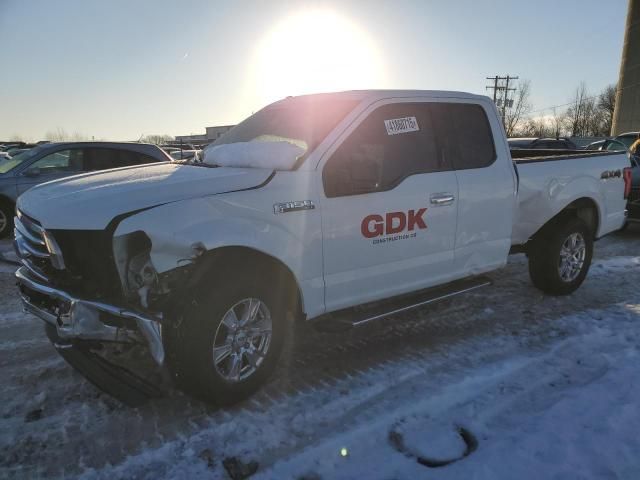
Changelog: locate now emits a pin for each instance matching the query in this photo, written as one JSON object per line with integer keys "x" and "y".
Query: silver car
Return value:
{"x": 56, "y": 160}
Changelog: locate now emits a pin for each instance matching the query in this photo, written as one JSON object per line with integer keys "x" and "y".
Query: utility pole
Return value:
{"x": 495, "y": 87}
{"x": 501, "y": 85}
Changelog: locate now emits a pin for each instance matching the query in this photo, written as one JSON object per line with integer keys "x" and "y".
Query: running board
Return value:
{"x": 360, "y": 315}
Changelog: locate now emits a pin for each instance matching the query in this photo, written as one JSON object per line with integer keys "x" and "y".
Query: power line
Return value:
{"x": 529, "y": 115}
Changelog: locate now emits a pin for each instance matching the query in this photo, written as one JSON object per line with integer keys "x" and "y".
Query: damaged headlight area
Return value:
{"x": 141, "y": 283}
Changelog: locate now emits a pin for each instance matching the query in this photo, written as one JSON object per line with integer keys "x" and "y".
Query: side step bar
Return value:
{"x": 357, "y": 316}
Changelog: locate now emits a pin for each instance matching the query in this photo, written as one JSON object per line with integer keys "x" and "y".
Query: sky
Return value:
{"x": 120, "y": 69}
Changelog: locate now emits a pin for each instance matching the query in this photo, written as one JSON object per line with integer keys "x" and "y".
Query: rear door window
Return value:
{"x": 465, "y": 134}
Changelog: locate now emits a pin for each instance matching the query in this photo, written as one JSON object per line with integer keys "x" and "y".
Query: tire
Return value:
{"x": 190, "y": 345}
{"x": 548, "y": 270}
{"x": 6, "y": 218}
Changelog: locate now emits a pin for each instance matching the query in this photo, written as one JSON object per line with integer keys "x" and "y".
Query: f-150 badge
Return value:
{"x": 393, "y": 223}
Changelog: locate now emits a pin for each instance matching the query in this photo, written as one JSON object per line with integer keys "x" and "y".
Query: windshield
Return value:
{"x": 11, "y": 163}
{"x": 302, "y": 121}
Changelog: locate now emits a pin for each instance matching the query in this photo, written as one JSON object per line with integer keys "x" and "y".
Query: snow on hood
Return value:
{"x": 90, "y": 201}
{"x": 278, "y": 155}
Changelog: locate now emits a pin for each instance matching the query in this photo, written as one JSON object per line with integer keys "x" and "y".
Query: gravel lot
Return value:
{"x": 53, "y": 423}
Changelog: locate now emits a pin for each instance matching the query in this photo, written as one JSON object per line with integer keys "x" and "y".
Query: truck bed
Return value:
{"x": 549, "y": 180}
{"x": 521, "y": 155}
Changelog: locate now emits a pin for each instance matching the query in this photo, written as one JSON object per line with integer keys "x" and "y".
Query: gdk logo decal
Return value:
{"x": 392, "y": 223}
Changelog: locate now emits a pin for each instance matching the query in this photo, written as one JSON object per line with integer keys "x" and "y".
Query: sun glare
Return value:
{"x": 315, "y": 51}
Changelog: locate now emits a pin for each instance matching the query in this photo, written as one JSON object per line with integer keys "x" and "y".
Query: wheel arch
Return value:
{"x": 236, "y": 257}
{"x": 4, "y": 199}
{"x": 584, "y": 208}
{"x": 7, "y": 201}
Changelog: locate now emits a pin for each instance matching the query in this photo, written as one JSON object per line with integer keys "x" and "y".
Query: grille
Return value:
{"x": 31, "y": 246}
{"x": 78, "y": 261}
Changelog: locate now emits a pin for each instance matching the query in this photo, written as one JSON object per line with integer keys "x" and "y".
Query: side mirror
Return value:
{"x": 32, "y": 172}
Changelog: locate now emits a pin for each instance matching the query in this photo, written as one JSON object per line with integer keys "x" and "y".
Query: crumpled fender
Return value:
{"x": 178, "y": 230}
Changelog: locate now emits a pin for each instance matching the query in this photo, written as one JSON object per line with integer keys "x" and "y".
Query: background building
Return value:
{"x": 211, "y": 135}
{"x": 627, "y": 111}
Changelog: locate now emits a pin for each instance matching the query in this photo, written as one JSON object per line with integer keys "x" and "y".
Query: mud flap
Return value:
{"x": 117, "y": 381}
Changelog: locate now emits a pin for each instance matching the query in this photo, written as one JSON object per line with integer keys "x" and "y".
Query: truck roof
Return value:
{"x": 373, "y": 95}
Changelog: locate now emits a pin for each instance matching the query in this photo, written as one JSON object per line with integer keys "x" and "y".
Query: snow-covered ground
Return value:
{"x": 540, "y": 387}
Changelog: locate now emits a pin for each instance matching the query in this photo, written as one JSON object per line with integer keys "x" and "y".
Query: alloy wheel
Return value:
{"x": 572, "y": 256}
{"x": 242, "y": 340}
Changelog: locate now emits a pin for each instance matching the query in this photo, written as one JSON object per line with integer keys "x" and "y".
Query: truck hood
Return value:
{"x": 90, "y": 201}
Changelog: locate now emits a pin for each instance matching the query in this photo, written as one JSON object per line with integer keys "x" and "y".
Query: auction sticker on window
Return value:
{"x": 401, "y": 125}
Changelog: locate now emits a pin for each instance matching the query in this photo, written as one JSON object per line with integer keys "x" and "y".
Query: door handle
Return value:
{"x": 441, "y": 199}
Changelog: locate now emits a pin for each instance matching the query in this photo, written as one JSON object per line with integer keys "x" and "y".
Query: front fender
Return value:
{"x": 178, "y": 231}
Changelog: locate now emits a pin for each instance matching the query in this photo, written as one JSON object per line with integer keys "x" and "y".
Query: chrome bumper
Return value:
{"x": 82, "y": 318}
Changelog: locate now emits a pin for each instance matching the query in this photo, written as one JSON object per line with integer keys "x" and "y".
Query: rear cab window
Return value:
{"x": 465, "y": 134}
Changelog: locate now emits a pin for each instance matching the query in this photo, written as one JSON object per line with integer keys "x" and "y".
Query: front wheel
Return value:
{"x": 229, "y": 340}
{"x": 560, "y": 256}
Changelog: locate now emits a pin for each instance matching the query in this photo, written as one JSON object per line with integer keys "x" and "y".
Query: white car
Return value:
{"x": 191, "y": 155}
{"x": 347, "y": 206}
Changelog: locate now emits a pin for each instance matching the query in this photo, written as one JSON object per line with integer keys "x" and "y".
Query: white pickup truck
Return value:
{"x": 380, "y": 200}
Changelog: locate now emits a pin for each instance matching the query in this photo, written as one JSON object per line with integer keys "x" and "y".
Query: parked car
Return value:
{"x": 608, "y": 144}
{"x": 627, "y": 138}
{"x": 16, "y": 151}
{"x": 347, "y": 206}
{"x": 633, "y": 207}
{"x": 633, "y": 204}
{"x": 542, "y": 143}
{"x": 7, "y": 147}
{"x": 53, "y": 161}
{"x": 186, "y": 154}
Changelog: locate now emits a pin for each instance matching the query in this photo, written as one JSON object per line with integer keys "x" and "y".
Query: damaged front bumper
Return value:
{"x": 80, "y": 319}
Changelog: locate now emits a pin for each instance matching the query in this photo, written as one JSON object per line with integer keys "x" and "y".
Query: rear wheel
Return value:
{"x": 6, "y": 218}
{"x": 560, "y": 256}
{"x": 229, "y": 340}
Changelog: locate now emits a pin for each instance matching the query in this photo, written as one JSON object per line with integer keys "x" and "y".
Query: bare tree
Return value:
{"x": 536, "y": 127}
{"x": 575, "y": 115}
{"x": 606, "y": 105}
{"x": 556, "y": 122}
{"x": 591, "y": 115}
{"x": 79, "y": 137}
{"x": 521, "y": 107}
{"x": 586, "y": 116}
{"x": 61, "y": 135}
{"x": 156, "y": 139}
{"x": 57, "y": 135}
